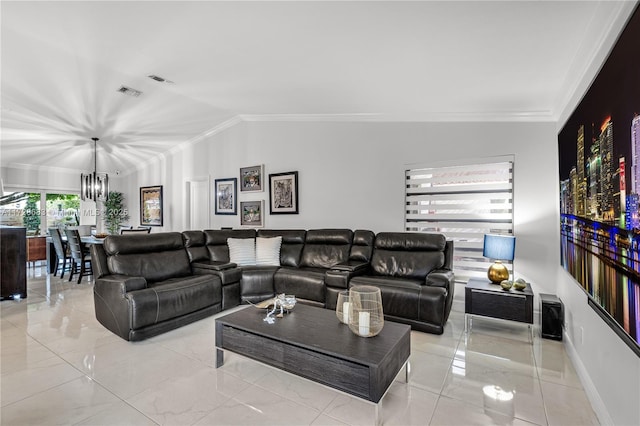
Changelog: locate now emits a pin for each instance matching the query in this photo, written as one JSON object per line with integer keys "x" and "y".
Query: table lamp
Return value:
{"x": 499, "y": 248}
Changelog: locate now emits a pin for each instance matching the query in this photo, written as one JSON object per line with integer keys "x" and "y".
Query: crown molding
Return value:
{"x": 489, "y": 116}
{"x": 219, "y": 128}
{"x": 231, "y": 122}
{"x": 492, "y": 116}
{"x": 310, "y": 117}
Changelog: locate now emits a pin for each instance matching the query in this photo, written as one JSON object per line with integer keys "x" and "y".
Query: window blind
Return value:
{"x": 463, "y": 202}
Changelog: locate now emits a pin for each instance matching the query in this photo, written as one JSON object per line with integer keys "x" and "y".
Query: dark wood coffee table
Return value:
{"x": 310, "y": 342}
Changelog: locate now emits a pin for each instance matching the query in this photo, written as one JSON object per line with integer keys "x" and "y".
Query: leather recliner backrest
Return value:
{"x": 216, "y": 241}
{"x": 293, "y": 241}
{"x": 324, "y": 248}
{"x": 408, "y": 255}
{"x": 194, "y": 241}
{"x": 362, "y": 247}
{"x": 156, "y": 257}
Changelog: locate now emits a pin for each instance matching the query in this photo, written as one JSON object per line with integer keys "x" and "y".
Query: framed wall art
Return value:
{"x": 283, "y": 193}
{"x": 251, "y": 178}
{"x": 151, "y": 205}
{"x": 252, "y": 213}
{"x": 226, "y": 196}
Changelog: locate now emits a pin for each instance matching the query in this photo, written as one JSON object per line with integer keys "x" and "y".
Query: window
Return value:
{"x": 463, "y": 202}
{"x": 27, "y": 209}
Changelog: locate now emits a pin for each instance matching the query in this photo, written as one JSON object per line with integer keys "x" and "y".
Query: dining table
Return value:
{"x": 52, "y": 258}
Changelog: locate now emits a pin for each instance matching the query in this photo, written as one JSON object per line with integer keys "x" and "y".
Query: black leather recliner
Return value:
{"x": 209, "y": 254}
{"x": 144, "y": 285}
{"x": 338, "y": 277}
{"x": 415, "y": 277}
{"x": 323, "y": 248}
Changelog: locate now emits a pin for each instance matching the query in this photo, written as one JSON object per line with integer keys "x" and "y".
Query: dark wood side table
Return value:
{"x": 36, "y": 249}
{"x": 486, "y": 299}
{"x": 13, "y": 258}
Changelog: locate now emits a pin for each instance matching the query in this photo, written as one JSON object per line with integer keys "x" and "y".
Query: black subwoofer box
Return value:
{"x": 551, "y": 316}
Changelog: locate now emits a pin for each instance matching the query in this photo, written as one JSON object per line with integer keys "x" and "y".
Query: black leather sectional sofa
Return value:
{"x": 148, "y": 284}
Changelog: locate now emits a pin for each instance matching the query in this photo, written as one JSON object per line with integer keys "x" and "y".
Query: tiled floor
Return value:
{"x": 60, "y": 366}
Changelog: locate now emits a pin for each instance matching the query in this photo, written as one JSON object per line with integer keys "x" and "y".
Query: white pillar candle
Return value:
{"x": 363, "y": 323}
{"x": 345, "y": 312}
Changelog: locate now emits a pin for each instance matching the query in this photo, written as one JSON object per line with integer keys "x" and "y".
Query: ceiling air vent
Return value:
{"x": 129, "y": 91}
{"x": 159, "y": 79}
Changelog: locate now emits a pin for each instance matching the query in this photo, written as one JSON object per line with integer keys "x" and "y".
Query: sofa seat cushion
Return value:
{"x": 172, "y": 298}
{"x": 401, "y": 283}
{"x": 400, "y": 296}
{"x": 304, "y": 283}
{"x": 256, "y": 283}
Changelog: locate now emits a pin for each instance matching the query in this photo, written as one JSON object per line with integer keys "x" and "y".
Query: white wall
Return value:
{"x": 33, "y": 179}
{"x": 351, "y": 175}
{"x": 609, "y": 369}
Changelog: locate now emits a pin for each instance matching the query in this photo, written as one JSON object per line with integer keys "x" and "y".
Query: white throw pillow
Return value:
{"x": 268, "y": 251}
{"x": 242, "y": 251}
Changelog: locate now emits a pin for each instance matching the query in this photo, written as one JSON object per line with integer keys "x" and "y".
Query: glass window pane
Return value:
{"x": 63, "y": 210}
{"x": 11, "y": 208}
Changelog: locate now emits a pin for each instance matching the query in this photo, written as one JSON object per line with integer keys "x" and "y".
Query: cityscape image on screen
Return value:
{"x": 599, "y": 171}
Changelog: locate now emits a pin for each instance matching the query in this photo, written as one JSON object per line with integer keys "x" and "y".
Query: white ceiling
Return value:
{"x": 62, "y": 63}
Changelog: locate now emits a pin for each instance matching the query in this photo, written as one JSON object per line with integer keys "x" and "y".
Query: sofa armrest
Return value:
{"x": 340, "y": 275}
{"x": 228, "y": 272}
{"x": 112, "y": 306}
{"x": 213, "y": 265}
{"x": 351, "y": 266}
{"x": 123, "y": 283}
{"x": 440, "y": 278}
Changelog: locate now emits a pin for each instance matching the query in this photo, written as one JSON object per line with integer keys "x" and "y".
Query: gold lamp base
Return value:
{"x": 498, "y": 273}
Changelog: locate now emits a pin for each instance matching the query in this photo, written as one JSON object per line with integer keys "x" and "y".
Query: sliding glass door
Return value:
{"x": 38, "y": 211}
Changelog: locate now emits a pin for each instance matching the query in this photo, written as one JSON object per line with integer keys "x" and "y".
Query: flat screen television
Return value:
{"x": 599, "y": 171}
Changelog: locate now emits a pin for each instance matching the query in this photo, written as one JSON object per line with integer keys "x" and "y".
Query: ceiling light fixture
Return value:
{"x": 159, "y": 79}
{"x": 129, "y": 91}
{"x": 94, "y": 186}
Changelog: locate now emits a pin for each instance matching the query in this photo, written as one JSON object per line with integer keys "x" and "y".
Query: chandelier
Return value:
{"x": 94, "y": 186}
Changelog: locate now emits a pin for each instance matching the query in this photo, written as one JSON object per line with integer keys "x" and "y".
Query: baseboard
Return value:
{"x": 589, "y": 388}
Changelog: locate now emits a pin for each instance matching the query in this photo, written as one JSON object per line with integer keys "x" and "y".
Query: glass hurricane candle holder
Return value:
{"x": 366, "y": 318}
{"x": 342, "y": 307}
{"x": 287, "y": 301}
